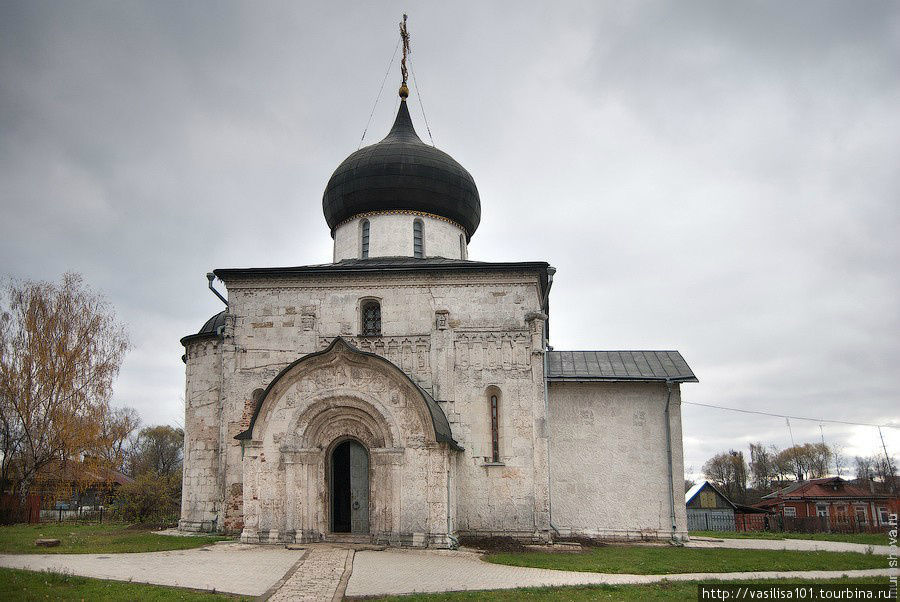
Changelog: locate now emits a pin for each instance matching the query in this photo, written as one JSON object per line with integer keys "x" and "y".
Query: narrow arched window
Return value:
{"x": 364, "y": 239}
{"x": 418, "y": 242}
{"x": 371, "y": 319}
{"x": 495, "y": 429}
{"x": 462, "y": 246}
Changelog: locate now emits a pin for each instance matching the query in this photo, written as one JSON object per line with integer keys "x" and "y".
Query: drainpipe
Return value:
{"x": 210, "y": 276}
{"x": 547, "y": 348}
{"x": 669, "y": 460}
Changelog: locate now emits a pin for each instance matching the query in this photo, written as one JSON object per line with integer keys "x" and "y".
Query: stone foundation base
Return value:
{"x": 396, "y": 540}
{"x": 194, "y": 526}
{"x": 660, "y": 535}
{"x": 535, "y": 537}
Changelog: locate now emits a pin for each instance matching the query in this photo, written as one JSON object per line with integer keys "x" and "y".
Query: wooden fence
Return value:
{"x": 13, "y": 509}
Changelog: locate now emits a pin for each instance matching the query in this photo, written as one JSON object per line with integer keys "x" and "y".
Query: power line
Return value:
{"x": 421, "y": 104}
{"x": 377, "y": 98}
{"x": 787, "y": 417}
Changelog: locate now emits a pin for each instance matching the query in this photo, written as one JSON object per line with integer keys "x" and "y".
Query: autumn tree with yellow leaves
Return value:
{"x": 61, "y": 347}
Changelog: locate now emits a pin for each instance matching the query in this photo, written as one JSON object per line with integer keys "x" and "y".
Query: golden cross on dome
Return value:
{"x": 404, "y": 36}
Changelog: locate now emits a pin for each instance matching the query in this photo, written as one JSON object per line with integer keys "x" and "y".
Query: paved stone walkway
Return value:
{"x": 323, "y": 572}
{"x": 409, "y": 571}
{"x": 318, "y": 576}
{"x": 224, "y": 567}
{"x": 805, "y": 545}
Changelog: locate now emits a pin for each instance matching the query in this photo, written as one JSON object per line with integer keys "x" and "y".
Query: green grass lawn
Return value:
{"x": 657, "y": 591}
{"x": 30, "y": 585}
{"x": 869, "y": 539}
{"x": 107, "y": 538}
{"x": 663, "y": 560}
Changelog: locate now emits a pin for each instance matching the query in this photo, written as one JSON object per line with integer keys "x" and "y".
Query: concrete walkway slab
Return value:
{"x": 248, "y": 570}
{"x": 420, "y": 571}
{"x": 803, "y": 545}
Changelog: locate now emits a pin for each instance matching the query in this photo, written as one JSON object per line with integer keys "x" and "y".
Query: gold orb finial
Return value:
{"x": 404, "y": 91}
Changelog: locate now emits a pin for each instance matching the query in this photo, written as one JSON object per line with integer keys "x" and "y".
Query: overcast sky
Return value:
{"x": 716, "y": 178}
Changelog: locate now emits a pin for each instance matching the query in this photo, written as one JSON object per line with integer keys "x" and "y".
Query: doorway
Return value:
{"x": 349, "y": 488}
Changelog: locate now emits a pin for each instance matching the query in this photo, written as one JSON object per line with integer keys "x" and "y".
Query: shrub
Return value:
{"x": 150, "y": 498}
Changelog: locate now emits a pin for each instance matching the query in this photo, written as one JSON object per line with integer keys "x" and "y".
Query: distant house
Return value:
{"x": 77, "y": 484}
{"x": 833, "y": 502}
{"x": 708, "y": 509}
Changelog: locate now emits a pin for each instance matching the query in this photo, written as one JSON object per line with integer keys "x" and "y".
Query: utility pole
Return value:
{"x": 887, "y": 459}
{"x": 794, "y": 451}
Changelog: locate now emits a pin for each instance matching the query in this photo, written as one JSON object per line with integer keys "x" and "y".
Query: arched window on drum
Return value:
{"x": 418, "y": 239}
{"x": 364, "y": 239}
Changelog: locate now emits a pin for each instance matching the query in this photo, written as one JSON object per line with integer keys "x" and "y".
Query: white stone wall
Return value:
{"x": 391, "y": 235}
{"x": 201, "y": 486}
{"x": 460, "y": 337}
{"x": 608, "y": 460}
{"x": 454, "y": 334}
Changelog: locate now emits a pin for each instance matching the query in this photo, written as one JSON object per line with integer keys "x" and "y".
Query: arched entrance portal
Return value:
{"x": 349, "y": 488}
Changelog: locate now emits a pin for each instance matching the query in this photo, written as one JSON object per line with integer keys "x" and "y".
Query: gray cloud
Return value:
{"x": 714, "y": 177}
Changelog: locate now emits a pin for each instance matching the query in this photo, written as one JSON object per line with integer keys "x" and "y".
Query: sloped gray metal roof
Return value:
{"x": 618, "y": 365}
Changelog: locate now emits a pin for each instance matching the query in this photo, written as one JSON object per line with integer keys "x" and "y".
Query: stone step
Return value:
{"x": 355, "y": 538}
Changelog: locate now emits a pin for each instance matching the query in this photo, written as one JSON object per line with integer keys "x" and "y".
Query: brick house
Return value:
{"x": 835, "y": 502}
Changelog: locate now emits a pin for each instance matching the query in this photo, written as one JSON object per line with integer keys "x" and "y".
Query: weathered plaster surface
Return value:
{"x": 608, "y": 460}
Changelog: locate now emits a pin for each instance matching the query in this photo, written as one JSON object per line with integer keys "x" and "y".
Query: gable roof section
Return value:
{"x": 693, "y": 491}
{"x": 698, "y": 487}
{"x": 618, "y": 366}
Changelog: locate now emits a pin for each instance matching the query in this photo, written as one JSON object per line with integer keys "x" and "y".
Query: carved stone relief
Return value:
{"x": 508, "y": 351}
{"x": 410, "y": 353}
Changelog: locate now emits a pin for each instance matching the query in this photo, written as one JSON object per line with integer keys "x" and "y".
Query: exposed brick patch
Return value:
{"x": 234, "y": 515}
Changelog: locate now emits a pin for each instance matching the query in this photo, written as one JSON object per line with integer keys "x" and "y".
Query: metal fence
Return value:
{"x": 710, "y": 521}
{"x": 84, "y": 514}
{"x": 776, "y": 523}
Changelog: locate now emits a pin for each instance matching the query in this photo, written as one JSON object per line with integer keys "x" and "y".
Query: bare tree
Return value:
{"x": 762, "y": 466}
{"x": 865, "y": 470}
{"x": 885, "y": 471}
{"x": 840, "y": 460}
{"x": 728, "y": 470}
{"x": 807, "y": 461}
{"x": 60, "y": 349}
{"x": 116, "y": 427}
{"x": 157, "y": 449}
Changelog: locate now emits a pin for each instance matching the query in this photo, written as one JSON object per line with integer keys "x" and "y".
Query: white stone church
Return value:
{"x": 405, "y": 394}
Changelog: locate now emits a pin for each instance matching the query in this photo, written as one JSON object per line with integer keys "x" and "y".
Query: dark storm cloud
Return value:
{"x": 714, "y": 177}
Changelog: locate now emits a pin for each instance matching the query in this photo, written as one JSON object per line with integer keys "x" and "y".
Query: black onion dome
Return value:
{"x": 402, "y": 172}
{"x": 212, "y": 325}
{"x": 209, "y": 329}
